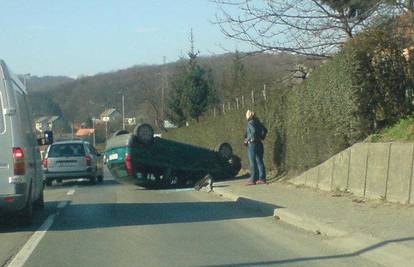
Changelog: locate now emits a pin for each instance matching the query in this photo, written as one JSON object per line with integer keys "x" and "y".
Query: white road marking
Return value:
{"x": 28, "y": 248}
{"x": 70, "y": 192}
{"x": 177, "y": 190}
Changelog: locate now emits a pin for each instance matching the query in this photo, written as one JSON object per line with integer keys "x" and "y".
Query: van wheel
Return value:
{"x": 92, "y": 180}
{"x": 26, "y": 215}
{"x": 40, "y": 202}
{"x": 48, "y": 182}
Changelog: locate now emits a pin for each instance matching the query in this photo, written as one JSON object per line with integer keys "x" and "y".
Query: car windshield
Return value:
{"x": 66, "y": 150}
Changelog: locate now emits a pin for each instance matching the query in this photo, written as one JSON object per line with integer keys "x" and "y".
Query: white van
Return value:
{"x": 21, "y": 177}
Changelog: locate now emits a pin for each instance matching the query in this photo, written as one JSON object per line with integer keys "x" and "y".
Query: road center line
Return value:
{"x": 28, "y": 248}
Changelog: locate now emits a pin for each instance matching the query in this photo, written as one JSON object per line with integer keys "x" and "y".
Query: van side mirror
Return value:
{"x": 47, "y": 139}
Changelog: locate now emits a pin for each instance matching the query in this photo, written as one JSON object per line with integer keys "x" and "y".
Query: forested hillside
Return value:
{"x": 45, "y": 83}
{"x": 87, "y": 97}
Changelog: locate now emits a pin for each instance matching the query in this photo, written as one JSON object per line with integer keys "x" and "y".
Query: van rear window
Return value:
{"x": 66, "y": 150}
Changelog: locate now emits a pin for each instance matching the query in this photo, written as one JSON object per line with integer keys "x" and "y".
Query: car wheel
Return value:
{"x": 100, "y": 178}
{"x": 59, "y": 181}
{"x": 225, "y": 150}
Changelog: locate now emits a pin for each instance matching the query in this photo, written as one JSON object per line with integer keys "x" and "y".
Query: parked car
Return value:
{"x": 21, "y": 177}
{"x": 72, "y": 159}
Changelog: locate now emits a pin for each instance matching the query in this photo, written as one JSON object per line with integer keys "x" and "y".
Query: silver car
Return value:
{"x": 72, "y": 159}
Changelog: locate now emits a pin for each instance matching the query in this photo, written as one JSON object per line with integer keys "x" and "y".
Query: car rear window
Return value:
{"x": 66, "y": 150}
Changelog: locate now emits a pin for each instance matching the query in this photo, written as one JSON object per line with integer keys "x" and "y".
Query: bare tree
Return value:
{"x": 406, "y": 5}
{"x": 308, "y": 27}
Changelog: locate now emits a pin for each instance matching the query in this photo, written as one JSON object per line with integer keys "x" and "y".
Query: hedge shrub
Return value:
{"x": 365, "y": 86}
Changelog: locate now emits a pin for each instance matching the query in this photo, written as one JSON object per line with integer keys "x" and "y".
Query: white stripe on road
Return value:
{"x": 28, "y": 248}
{"x": 31, "y": 244}
{"x": 177, "y": 190}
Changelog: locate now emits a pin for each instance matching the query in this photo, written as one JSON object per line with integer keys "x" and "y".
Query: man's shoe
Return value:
{"x": 250, "y": 183}
{"x": 261, "y": 182}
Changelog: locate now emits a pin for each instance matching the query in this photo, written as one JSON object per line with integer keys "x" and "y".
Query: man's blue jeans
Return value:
{"x": 257, "y": 169}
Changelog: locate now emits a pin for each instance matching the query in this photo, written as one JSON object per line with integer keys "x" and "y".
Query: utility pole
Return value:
{"x": 94, "y": 137}
{"x": 123, "y": 112}
{"x": 106, "y": 131}
{"x": 73, "y": 129}
{"x": 163, "y": 85}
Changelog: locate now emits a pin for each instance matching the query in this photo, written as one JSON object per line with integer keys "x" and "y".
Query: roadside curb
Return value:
{"x": 250, "y": 203}
{"x": 280, "y": 213}
{"x": 384, "y": 252}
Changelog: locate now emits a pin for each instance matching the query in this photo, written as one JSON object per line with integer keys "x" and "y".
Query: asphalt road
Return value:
{"x": 111, "y": 224}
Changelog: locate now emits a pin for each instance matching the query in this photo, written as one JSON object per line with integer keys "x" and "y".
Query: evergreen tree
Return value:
{"x": 175, "y": 112}
{"x": 353, "y": 8}
{"x": 192, "y": 91}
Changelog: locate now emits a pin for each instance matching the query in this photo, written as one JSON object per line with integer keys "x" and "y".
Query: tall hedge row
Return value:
{"x": 340, "y": 103}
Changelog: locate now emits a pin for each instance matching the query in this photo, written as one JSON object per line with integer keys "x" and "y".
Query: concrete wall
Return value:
{"x": 372, "y": 170}
{"x": 358, "y": 168}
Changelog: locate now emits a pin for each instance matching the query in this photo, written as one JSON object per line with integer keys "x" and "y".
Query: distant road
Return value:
{"x": 122, "y": 225}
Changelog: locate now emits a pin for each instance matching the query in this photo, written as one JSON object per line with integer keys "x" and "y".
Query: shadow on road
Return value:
{"x": 10, "y": 223}
{"x": 88, "y": 216}
{"x": 302, "y": 261}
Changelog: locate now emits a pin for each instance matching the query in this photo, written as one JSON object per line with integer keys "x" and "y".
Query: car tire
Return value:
{"x": 100, "y": 178}
{"x": 59, "y": 181}
{"x": 144, "y": 133}
{"x": 225, "y": 150}
{"x": 236, "y": 165}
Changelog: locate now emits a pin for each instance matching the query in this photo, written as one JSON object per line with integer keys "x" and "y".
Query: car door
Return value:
{"x": 93, "y": 155}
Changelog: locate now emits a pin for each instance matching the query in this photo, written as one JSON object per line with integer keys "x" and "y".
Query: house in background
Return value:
{"x": 86, "y": 134}
{"x": 110, "y": 115}
{"x": 52, "y": 123}
{"x": 169, "y": 125}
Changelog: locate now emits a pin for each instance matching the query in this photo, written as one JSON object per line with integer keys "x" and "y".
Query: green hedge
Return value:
{"x": 337, "y": 106}
{"x": 307, "y": 123}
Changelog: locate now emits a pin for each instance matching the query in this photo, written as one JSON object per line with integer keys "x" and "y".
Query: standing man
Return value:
{"x": 255, "y": 134}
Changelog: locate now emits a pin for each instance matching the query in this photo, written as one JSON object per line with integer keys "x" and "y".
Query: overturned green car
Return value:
{"x": 155, "y": 162}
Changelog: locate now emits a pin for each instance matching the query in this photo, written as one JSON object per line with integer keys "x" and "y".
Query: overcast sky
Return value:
{"x": 74, "y": 37}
